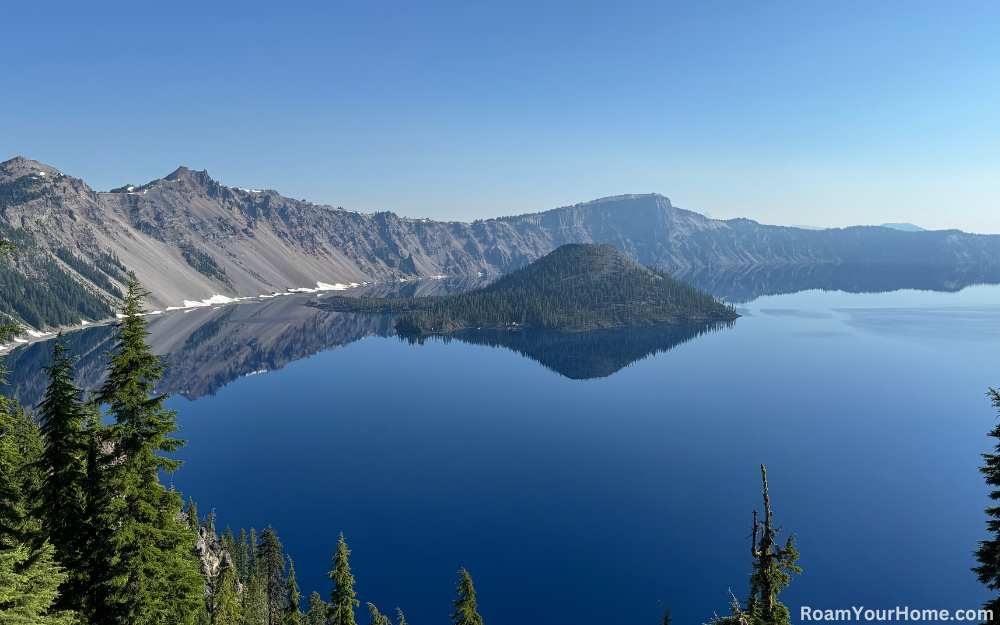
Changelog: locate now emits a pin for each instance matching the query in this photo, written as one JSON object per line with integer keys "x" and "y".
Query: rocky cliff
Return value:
{"x": 190, "y": 238}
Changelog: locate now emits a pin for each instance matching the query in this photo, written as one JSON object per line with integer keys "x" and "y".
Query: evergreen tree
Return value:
{"x": 61, "y": 503}
{"x": 342, "y": 597}
{"x": 152, "y": 576}
{"x": 666, "y": 619}
{"x": 95, "y": 554}
{"x": 254, "y": 600}
{"x": 772, "y": 568}
{"x": 465, "y": 605}
{"x": 202, "y": 617}
{"x": 292, "y": 615}
{"x": 402, "y": 619}
{"x": 29, "y": 575}
{"x": 224, "y": 602}
{"x": 191, "y": 511}
{"x": 11, "y": 517}
{"x": 242, "y": 557}
{"x": 271, "y": 565}
{"x": 377, "y": 618}
{"x": 29, "y": 585}
{"x": 988, "y": 553}
{"x": 316, "y": 614}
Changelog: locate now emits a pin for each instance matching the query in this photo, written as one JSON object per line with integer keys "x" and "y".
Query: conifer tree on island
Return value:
{"x": 342, "y": 597}
{"x": 988, "y": 553}
{"x": 465, "y": 605}
{"x": 151, "y": 575}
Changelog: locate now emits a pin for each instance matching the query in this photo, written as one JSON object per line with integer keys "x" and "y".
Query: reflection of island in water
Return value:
{"x": 586, "y": 355}
{"x": 211, "y": 347}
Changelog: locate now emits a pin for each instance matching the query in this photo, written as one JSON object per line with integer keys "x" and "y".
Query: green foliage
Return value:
{"x": 666, "y": 619}
{"x": 342, "y": 597}
{"x": 269, "y": 563}
{"x": 292, "y": 615}
{"x": 88, "y": 271}
{"x": 255, "y": 600}
{"x": 224, "y": 602}
{"x": 35, "y": 290}
{"x": 242, "y": 555}
{"x": 61, "y": 498}
{"x": 24, "y": 189}
{"x": 772, "y": 568}
{"x": 109, "y": 263}
{"x": 204, "y": 263}
{"x": 465, "y": 606}
{"x": 316, "y": 614}
{"x": 988, "y": 553}
{"x": 377, "y": 618}
{"x": 576, "y": 287}
{"x": 150, "y": 575}
{"x": 29, "y": 585}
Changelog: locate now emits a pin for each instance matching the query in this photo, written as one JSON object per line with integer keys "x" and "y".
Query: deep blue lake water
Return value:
{"x": 591, "y": 501}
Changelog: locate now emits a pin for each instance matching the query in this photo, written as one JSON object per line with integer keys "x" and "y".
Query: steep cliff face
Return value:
{"x": 188, "y": 237}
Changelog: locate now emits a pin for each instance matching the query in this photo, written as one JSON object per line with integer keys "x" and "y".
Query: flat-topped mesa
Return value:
{"x": 575, "y": 288}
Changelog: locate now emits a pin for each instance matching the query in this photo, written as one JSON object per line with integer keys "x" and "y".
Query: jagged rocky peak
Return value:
{"x": 190, "y": 176}
{"x": 19, "y": 166}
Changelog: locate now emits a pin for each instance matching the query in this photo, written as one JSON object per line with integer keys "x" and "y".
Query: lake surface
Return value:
{"x": 592, "y": 500}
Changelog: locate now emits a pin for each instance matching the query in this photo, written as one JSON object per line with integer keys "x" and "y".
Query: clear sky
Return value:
{"x": 827, "y": 114}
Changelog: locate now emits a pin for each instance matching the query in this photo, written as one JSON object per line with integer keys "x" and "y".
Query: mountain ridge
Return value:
{"x": 189, "y": 238}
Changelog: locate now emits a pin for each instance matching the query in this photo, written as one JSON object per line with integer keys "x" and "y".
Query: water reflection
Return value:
{"x": 587, "y": 355}
{"x": 745, "y": 284}
{"x": 211, "y": 347}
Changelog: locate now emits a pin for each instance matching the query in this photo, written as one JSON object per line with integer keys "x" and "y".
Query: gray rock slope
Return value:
{"x": 189, "y": 237}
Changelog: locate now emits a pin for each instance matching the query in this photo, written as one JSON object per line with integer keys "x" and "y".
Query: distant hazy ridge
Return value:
{"x": 189, "y": 238}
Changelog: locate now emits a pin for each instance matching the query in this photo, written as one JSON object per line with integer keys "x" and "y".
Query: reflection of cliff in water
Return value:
{"x": 586, "y": 355}
{"x": 207, "y": 347}
{"x": 744, "y": 284}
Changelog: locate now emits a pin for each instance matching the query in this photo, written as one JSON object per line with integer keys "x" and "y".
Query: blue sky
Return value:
{"x": 827, "y": 114}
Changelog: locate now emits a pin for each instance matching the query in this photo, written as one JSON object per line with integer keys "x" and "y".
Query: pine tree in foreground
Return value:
{"x": 988, "y": 553}
{"x": 224, "y": 602}
{"x": 271, "y": 565}
{"x": 377, "y": 618}
{"x": 772, "y": 568}
{"x": 151, "y": 576}
{"x": 666, "y": 619}
{"x": 465, "y": 605}
{"x": 316, "y": 613}
{"x": 292, "y": 615}
{"x": 342, "y": 601}
{"x": 61, "y": 497}
{"x": 29, "y": 585}
{"x": 29, "y": 575}
{"x": 254, "y": 600}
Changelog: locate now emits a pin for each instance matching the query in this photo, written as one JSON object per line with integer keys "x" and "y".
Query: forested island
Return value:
{"x": 575, "y": 288}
